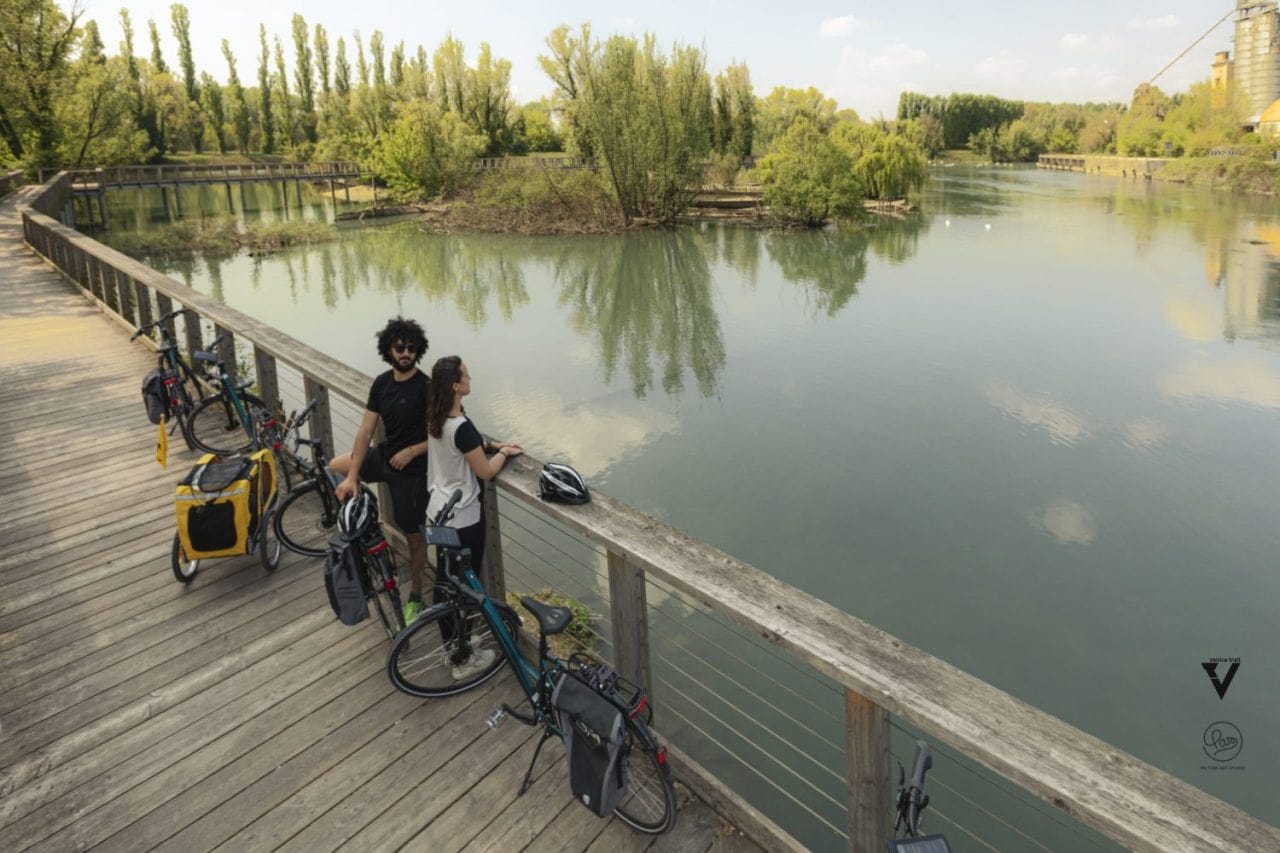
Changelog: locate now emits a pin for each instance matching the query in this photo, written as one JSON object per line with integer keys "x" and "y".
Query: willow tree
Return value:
{"x": 560, "y": 67}
{"x": 810, "y": 178}
{"x": 648, "y": 117}
{"x": 426, "y": 152}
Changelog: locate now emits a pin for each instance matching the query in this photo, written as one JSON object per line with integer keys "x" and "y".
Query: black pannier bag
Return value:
{"x": 594, "y": 734}
{"x": 153, "y": 395}
{"x": 344, "y": 581}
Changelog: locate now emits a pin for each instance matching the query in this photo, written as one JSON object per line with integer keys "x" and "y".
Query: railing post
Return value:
{"x": 869, "y": 779}
{"x": 92, "y": 277}
{"x": 227, "y": 351}
{"x": 195, "y": 335}
{"x": 492, "y": 572}
{"x": 264, "y": 364}
{"x": 321, "y": 424}
{"x": 143, "y": 301}
{"x": 164, "y": 305}
{"x": 124, "y": 289}
{"x": 627, "y": 607}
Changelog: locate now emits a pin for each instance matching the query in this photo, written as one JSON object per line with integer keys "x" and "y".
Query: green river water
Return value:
{"x": 1034, "y": 431}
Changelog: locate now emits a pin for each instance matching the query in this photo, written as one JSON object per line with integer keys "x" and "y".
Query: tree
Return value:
{"x": 648, "y": 117}
{"x": 214, "y": 108}
{"x": 264, "y": 95}
{"x": 240, "y": 116}
{"x": 182, "y": 32}
{"x": 341, "y": 71}
{"x": 304, "y": 77}
{"x": 536, "y": 130}
{"x": 735, "y": 108}
{"x": 1138, "y": 133}
{"x": 427, "y": 152}
{"x": 450, "y": 66}
{"x": 36, "y": 40}
{"x": 783, "y": 107}
{"x": 488, "y": 103}
{"x": 157, "y": 55}
{"x": 321, "y": 41}
{"x": 808, "y": 177}
{"x": 95, "y": 111}
{"x": 559, "y": 66}
{"x": 286, "y": 106}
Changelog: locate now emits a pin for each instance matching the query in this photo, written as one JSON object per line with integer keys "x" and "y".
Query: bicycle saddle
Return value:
{"x": 552, "y": 620}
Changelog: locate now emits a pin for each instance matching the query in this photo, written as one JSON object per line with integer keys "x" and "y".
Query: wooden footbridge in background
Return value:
{"x": 238, "y": 714}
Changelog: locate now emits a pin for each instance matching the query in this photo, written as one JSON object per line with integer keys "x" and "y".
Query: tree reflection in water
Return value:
{"x": 646, "y": 295}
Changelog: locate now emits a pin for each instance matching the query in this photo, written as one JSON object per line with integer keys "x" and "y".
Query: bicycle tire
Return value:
{"x": 649, "y": 806}
{"x": 306, "y": 519}
{"x": 379, "y": 568}
{"x": 209, "y": 421}
{"x": 419, "y": 661}
{"x": 186, "y": 404}
{"x": 183, "y": 569}
{"x": 268, "y": 549}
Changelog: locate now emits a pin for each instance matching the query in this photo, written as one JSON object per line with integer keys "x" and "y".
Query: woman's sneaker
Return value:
{"x": 411, "y": 610}
{"x": 480, "y": 660}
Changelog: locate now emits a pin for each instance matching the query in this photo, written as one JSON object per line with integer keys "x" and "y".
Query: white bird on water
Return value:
{"x": 947, "y": 222}
{"x": 988, "y": 226}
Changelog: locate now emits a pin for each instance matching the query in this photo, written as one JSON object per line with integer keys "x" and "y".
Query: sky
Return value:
{"x": 861, "y": 54}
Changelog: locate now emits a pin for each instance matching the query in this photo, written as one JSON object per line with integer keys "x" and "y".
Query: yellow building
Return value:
{"x": 1269, "y": 121}
{"x": 1222, "y": 67}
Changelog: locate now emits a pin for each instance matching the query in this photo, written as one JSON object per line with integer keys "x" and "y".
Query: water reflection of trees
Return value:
{"x": 646, "y": 297}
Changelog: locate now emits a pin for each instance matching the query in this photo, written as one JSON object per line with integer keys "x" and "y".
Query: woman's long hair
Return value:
{"x": 444, "y": 374}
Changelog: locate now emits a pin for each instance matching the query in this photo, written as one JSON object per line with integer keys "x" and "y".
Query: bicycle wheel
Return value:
{"x": 268, "y": 547}
{"x": 421, "y": 660}
{"x": 214, "y": 426}
{"x": 183, "y": 569}
{"x": 385, "y": 593}
{"x": 187, "y": 392}
{"x": 650, "y": 803}
{"x": 306, "y": 519}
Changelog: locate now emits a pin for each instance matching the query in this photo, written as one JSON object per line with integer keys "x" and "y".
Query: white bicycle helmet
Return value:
{"x": 558, "y": 482}
{"x": 357, "y": 516}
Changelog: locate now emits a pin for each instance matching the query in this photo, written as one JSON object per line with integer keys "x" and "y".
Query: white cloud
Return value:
{"x": 1162, "y": 23}
{"x": 1003, "y": 64}
{"x": 1071, "y": 73}
{"x": 1073, "y": 41}
{"x": 892, "y": 60}
{"x": 873, "y": 81}
{"x": 836, "y": 27}
{"x": 1064, "y": 425}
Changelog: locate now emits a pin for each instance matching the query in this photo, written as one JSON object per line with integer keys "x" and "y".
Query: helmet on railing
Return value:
{"x": 559, "y": 482}
{"x": 358, "y": 516}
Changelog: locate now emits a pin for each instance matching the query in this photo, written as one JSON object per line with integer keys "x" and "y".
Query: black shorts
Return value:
{"x": 408, "y": 490}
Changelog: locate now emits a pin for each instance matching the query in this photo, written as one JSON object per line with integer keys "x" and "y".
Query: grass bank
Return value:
{"x": 218, "y": 236}
{"x": 1255, "y": 175}
{"x": 530, "y": 200}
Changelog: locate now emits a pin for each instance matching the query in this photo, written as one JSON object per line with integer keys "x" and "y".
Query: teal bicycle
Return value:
{"x": 461, "y": 642}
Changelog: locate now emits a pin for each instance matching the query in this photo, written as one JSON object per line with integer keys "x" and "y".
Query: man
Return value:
{"x": 399, "y": 398}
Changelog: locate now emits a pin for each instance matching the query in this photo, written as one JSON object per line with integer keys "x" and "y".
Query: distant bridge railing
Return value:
{"x": 488, "y": 164}
{"x": 778, "y": 705}
{"x": 10, "y": 181}
{"x": 113, "y": 177}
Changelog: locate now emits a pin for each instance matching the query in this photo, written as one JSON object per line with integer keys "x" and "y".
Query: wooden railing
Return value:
{"x": 485, "y": 164}
{"x": 10, "y": 181}
{"x": 1093, "y": 782}
{"x": 123, "y": 176}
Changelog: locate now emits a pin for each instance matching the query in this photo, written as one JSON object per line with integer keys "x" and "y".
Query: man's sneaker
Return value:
{"x": 411, "y": 611}
{"x": 480, "y": 660}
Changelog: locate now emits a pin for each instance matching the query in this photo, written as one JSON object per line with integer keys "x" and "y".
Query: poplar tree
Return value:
{"x": 286, "y": 106}
{"x": 214, "y": 108}
{"x": 157, "y": 55}
{"x": 264, "y": 94}
{"x": 321, "y": 41}
{"x": 240, "y": 120}
{"x": 182, "y": 32}
{"x": 304, "y": 76}
{"x": 341, "y": 70}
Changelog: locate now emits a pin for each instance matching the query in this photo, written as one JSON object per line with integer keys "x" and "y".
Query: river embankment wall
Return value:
{"x": 1102, "y": 165}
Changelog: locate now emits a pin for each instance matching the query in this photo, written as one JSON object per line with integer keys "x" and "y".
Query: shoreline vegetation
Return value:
{"x": 1239, "y": 174}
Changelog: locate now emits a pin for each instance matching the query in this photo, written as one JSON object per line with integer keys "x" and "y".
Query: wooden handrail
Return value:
{"x": 1127, "y": 800}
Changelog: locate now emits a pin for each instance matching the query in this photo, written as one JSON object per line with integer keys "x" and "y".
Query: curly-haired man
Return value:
{"x": 399, "y": 398}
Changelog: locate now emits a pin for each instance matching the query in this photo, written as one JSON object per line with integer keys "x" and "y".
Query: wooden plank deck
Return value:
{"x": 234, "y": 714}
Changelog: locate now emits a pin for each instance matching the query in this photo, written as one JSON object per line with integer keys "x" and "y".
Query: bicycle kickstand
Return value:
{"x": 524, "y": 786}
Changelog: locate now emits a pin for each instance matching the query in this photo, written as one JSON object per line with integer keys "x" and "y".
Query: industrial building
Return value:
{"x": 1255, "y": 70}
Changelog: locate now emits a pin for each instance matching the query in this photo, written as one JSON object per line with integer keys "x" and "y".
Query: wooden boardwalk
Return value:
{"x": 235, "y": 714}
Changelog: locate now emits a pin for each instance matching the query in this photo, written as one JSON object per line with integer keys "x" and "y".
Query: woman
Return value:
{"x": 456, "y": 460}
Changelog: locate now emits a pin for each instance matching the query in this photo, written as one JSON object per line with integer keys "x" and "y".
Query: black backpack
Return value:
{"x": 154, "y": 397}
{"x": 344, "y": 581}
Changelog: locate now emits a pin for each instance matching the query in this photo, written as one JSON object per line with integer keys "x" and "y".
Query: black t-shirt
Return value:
{"x": 403, "y": 409}
{"x": 466, "y": 437}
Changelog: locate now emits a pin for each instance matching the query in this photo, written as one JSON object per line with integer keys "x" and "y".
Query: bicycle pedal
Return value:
{"x": 494, "y": 718}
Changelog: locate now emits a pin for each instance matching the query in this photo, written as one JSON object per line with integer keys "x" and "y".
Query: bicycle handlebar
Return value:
{"x": 923, "y": 764}
{"x": 166, "y": 318}
{"x": 447, "y": 510}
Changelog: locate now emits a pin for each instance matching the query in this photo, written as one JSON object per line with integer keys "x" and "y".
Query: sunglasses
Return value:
{"x": 410, "y": 348}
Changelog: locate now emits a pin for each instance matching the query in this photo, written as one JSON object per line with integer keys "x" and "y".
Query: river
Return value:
{"x": 1034, "y": 431}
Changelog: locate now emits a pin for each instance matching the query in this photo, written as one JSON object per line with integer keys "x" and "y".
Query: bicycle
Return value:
{"x": 182, "y": 388}
{"x": 310, "y": 511}
{"x": 377, "y": 570}
{"x": 910, "y": 804}
{"x": 235, "y": 421}
{"x": 447, "y": 650}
